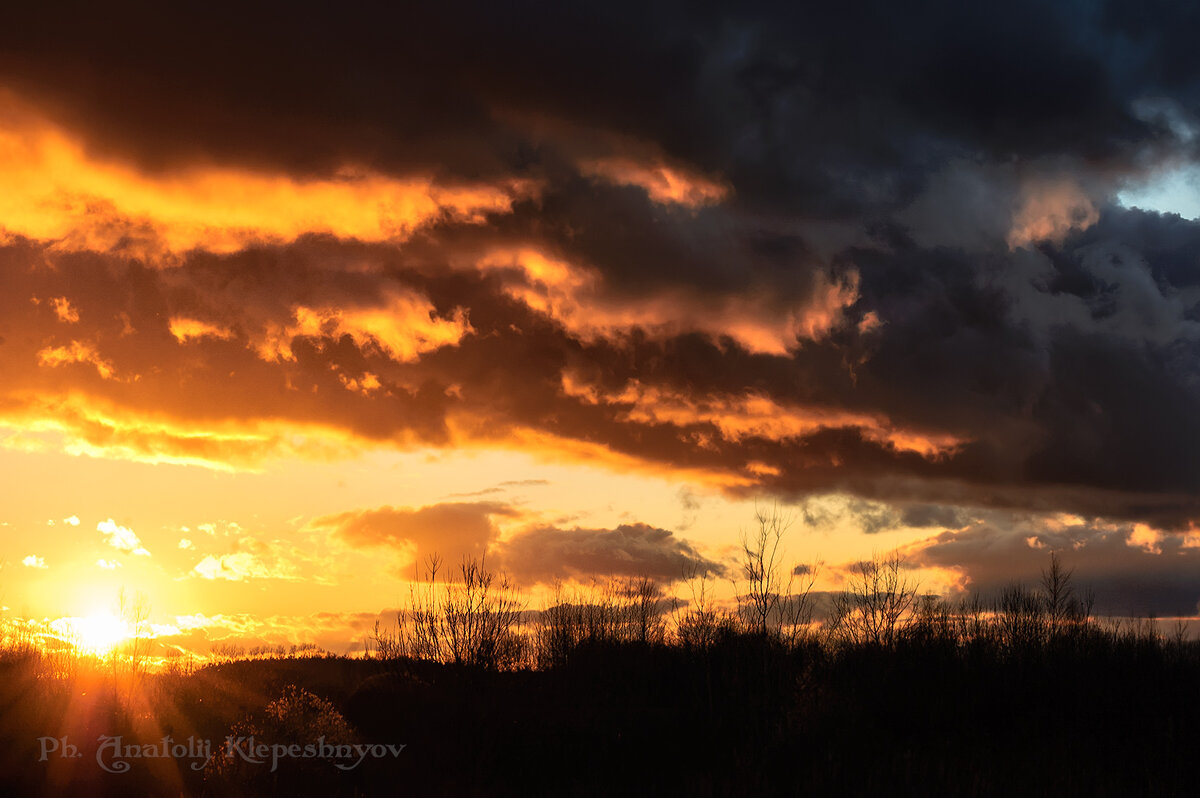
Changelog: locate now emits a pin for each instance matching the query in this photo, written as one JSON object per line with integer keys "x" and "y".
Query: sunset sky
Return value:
{"x": 292, "y": 298}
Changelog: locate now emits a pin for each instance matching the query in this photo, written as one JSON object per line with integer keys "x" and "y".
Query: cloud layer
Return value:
{"x": 777, "y": 250}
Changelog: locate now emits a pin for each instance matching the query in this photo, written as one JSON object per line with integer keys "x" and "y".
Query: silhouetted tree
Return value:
{"x": 877, "y": 604}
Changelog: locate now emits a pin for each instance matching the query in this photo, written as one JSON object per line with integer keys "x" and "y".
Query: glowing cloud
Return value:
{"x": 575, "y": 296}
{"x": 754, "y": 415}
{"x": 33, "y": 561}
{"x": 121, "y": 538}
{"x": 84, "y": 426}
{"x": 76, "y": 352}
{"x": 1049, "y": 210}
{"x": 185, "y": 330}
{"x": 51, "y": 188}
{"x": 664, "y": 184}
{"x": 239, "y": 566}
{"x": 405, "y": 326}
{"x": 64, "y": 310}
{"x": 1145, "y": 537}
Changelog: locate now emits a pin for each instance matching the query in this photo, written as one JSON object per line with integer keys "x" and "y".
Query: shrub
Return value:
{"x": 475, "y": 620}
{"x": 297, "y": 717}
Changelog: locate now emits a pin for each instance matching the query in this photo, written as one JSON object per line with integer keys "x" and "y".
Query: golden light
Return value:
{"x": 53, "y": 188}
{"x": 97, "y": 633}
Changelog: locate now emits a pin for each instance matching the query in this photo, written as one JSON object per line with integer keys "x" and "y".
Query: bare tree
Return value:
{"x": 1057, "y": 591}
{"x": 796, "y": 609}
{"x": 619, "y": 611}
{"x": 473, "y": 620}
{"x": 482, "y": 618}
{"x": 132, "y": 656}
{"x": 1064, "y": 609}
{"x": 877, "y": 605}
{"x": 761, "y": 562}
{"x": 703, "y": 622}
{"x": 1021, "y": 618}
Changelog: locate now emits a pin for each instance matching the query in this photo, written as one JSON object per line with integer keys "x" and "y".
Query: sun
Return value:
{"x": 98, "y": 633}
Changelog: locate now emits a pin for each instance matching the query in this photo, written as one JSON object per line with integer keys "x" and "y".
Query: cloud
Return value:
{"x": 932, "y": 515}
{"x": 63, "y": 310}
{"x": 460, "y": 530}
{"x": 453, "y": 531}
{"x": 544, "y": 554}
{"x": 1050, "y": 211}
{"x": 236, "y": 567}
{"x": 56, "y": 189}
{"x": 1133, "y": 570}
{"x": 185, "y": 329}
{"x": 33, "y": 561}
{"x": 662, "y": 183}
{"x": 76, "y": 352}
{"x": 121, "y": 538}
{"x": 249, "y": 558}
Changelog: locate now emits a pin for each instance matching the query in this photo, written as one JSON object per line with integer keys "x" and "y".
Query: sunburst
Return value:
{"x": 98, "y": 633}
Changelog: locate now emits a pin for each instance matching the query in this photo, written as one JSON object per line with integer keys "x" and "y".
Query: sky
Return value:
{"x": 293, "y": 297}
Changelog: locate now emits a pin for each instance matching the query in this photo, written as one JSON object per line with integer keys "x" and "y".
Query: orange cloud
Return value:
{"x": 754, "y": 415}
{"x": 575, "y": 297}
{"x": 185, "y": 329}
{"x": 64, "y": 310}
{"x": 664, "y": 184}
{"x": 1048, "y": 210}
{"x": 451, "y": 530}
{"x": 89, "y": 426}
{"x": 406, "y": 325}
{"x": 76, "y": 352}
{"x": 1147, "y": 538}
{"x": 53, "y": 189}
{"x": 480, "y": 432}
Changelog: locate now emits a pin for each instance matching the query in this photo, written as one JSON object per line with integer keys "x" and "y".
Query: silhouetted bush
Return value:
{"x": 297, "y": 719}
{"x": 473, "y": 620}
{"x": 621, "y": 611}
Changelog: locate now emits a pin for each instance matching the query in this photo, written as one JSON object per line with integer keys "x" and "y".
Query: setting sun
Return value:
{"x": 97, "y": 633}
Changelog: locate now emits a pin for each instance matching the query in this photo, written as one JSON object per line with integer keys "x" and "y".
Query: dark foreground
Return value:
{"x": 1090, "y": 713}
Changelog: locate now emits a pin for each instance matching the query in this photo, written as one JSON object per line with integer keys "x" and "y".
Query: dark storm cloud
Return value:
{"x": 817, "y": 107}
{"x": 909, "y": 253}
{"x": 931, "y": 515}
